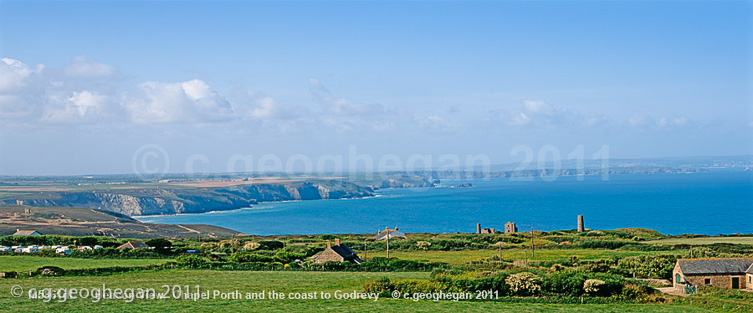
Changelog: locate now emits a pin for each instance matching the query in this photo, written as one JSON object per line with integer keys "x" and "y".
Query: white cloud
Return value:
{"x": 661, "y": 122}
{"x": 269, "y": 108}
{"x": 537, "y": 107}
{"x": 14, "y": 74}
{"x": 342, "y": 106}
{"x": 191, "y": 101}
{"x": 81, "y": 67}
{"x": 79, "y": 106}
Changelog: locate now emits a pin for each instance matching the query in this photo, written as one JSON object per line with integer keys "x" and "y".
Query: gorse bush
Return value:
{"x": 524, "y": 283}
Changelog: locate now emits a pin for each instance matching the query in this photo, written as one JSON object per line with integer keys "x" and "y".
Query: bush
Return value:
{"x": 381, "y": 285}
{"x": 524, "y": 283}
{"x": 50, "y": 271}
{"x": 593, "y": 286}
{"x": 271, "y": 245}
{"x": 246, "y": 257}
{"x": 192, "y": 261}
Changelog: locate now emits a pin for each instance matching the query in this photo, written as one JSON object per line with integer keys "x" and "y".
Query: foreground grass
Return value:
{"x": 25, "y": 263}
{"x": 285, "y": 282}
{"x": 465, "y": 256}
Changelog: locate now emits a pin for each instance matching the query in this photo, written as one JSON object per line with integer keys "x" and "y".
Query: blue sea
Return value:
{"x": 715, "y": 202}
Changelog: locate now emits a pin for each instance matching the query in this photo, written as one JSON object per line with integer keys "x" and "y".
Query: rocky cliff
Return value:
{"x": 154, "y": 201}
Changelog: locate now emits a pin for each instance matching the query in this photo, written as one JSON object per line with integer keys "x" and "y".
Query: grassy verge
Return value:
{"x": 25, "y": 263}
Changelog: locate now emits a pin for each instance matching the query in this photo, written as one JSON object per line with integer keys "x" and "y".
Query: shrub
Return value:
{"x": 50, "y": 271}
{"x": 593, "y": 286}
{"x": 251, "y": 246}
{"x": 245, "y": 257}
{"x": 192, "y": 261}
{"x": 423, "y": 245}
{"x": 524, "y": 283}
{"x": 381, "y": 285}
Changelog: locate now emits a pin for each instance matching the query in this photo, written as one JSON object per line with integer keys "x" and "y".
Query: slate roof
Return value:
{"x": 715, "y": 266}
{"x": 750, "y": 269}
{"x": 26, "y": 233}
{"x": 133, "y": 245}
{"x": 345, "y": 252}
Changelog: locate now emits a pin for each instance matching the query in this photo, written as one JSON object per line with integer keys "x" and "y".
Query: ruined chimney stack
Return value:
{"x": 581, "y": 225}
{"x": 478, "y": 228}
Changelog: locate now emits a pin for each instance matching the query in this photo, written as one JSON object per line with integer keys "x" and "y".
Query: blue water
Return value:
{"x": 718, "y": 202}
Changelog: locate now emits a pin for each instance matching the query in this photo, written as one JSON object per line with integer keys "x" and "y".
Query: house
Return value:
{"x": 732, "y": 273}
{"x": 394, "y": 233}
{"x": 133, "y": 245}
{"x": 337, "y": 253}
{"x": 5, "y": 249}
{"x": 26, "y": 233}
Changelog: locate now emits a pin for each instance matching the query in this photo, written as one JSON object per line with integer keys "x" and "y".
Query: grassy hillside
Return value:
{"x": 85, "y": 222}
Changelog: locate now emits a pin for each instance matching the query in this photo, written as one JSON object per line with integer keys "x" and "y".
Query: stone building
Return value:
{"x": 510, "y": 228}
{"x": 336, "y": 253}
{"x": 487, "y": 231}
{"x": 732, "y": 273}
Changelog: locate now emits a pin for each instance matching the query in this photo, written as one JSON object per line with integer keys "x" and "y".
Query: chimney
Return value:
{"x": 581, "y": 225}
{"x": 478, "y": 228}
{"x": 329, "y": 246}
{"x": 337, "y": 241}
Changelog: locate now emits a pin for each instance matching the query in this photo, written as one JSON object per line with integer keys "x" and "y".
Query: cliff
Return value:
{"x": 172, "y": 200}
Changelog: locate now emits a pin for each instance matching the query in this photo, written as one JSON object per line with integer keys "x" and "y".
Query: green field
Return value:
{"x": 704, "y": 241}
{"x": 25, "y": 263}
{"x": 465, "y": 256}
{"x": 285, "y": 282}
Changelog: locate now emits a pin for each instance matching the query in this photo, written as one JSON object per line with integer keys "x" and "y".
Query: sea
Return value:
{"x": 715, "y": 202}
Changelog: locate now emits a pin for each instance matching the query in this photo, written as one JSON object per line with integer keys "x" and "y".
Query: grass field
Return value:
{"x": 285, "y": 282}
{"x": 704, "y": 241}
{"x": 465, "y": 256}
{"x": 25, "y": 263}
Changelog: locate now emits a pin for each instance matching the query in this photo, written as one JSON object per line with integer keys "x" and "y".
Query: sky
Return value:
{"x": 175, "y": 86}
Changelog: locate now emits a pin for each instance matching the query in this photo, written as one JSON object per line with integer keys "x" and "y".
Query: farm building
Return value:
{"x": 337, "y": 253}
{"x": 732, "y": 273}
{"x": 133, "y": 245}
{"x": 26, "y": 233}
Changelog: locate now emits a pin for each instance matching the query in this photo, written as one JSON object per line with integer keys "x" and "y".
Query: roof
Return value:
{"x": 750, "y": 269}
{"x": 133, "y": 245}
{"x": 715, "y": 266}
{"x": 26, "y": 233}
{"x": 394, "y": 233}
{"x": 345, "y": 252}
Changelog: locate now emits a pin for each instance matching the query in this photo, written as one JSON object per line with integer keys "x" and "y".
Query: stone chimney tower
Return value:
{"x": 478, "y": 228}
{"x": 581, "y": 225}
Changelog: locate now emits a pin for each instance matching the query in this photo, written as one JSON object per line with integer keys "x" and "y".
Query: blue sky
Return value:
{"x": 83, "y": 85}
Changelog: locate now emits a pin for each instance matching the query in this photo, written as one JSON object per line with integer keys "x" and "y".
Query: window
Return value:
{"x": 707, "y": 281}
{"x": 677, "y": 278}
